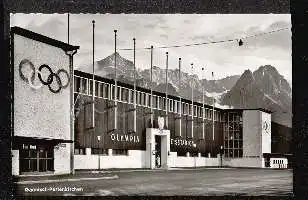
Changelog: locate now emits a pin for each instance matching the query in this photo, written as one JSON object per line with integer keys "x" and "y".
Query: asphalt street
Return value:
{"x": 172, "y": 182}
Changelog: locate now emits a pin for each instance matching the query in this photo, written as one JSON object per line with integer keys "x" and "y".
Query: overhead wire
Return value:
{"x": 212, "y": 42}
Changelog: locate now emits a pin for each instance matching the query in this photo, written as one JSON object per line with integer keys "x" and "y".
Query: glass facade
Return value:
{"x": 233, "y": 134}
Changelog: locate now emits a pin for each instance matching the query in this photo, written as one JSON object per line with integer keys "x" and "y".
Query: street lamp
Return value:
{"x": 99, "y": 151}
{"x": 221, "y": 152}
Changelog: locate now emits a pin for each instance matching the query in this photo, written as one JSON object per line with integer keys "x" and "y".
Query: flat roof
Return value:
{"x": 42, "y": 38}
{"x": 129, "y": 86}
{"x": 242, "y": 109}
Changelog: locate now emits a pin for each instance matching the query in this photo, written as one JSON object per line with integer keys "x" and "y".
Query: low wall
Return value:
{"x": 62, "y": 159}
{"x": 242, "y": 162}
{"x": 195, "y": 162}
{"x": 135, "y": 159}
{"x": 15, "y": 162}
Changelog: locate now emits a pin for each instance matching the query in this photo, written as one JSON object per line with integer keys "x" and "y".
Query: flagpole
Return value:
{"x": 68, "y": 28}
{"x": 167, "y": 103}
{"x": 151, "y": 87}
{"x": 135, "y": 106}
{"x": 192, "y": 102}
{"x": 93, "y": 85}
{"x": 115, "y": 81}
{"x": 180, "y": 107}
{"x": 203, "y": 110}
{"x": 213, "y": 110}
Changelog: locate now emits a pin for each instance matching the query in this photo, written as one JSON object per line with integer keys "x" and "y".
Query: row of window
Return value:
{"x": 277, "y": 161}
{"x": 107, "y": 91}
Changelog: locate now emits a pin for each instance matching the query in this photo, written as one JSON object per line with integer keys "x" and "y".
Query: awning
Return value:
{"x": 38, "y": 140}
{"x": 277, "y": 155}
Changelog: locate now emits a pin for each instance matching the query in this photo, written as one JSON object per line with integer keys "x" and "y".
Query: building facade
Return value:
{"x": 59, "y": 125}
{"x": 42, "y": 102}
{"x": 243, "y": 137}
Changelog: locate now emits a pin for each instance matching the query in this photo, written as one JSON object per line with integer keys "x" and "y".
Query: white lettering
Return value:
{"x": 179, "y": 142}
{"x": 126, "y": 138}
{"x": 112, "y": 136}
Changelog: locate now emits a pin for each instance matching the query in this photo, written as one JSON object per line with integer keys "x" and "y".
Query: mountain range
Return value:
{"x": 262, "y": 88}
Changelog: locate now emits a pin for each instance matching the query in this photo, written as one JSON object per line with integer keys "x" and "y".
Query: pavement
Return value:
{"x": 178, "y": 181}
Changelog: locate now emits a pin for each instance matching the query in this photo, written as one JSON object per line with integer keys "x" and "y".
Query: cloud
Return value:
{"x": 175, "y": 29}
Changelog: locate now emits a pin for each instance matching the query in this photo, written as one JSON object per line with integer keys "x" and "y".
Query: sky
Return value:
{"x": 224, "y": 59}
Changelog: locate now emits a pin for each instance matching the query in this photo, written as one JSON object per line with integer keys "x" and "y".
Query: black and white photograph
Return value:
{"x": 151, "y": 104}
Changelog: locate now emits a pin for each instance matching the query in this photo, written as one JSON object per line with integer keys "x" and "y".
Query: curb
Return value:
{"x": 150, "y": 170}
{"x": 68, "y": 180}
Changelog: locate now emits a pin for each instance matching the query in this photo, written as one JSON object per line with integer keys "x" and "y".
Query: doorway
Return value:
{"x": 157, "y": 151}
{"x": 157, "y": 148}
{"x": 35, "y": 158}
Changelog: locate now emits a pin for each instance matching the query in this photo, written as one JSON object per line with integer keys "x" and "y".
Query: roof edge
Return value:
{"x": 42, "y": 38}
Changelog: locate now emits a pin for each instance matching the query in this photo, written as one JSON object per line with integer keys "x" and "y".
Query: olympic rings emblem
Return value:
{"x": 31, "y": 76}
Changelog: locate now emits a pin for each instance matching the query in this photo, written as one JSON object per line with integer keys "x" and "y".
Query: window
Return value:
{"x": 84, "y": 86}
{"x": 124, "y": 95}
{"x": 149, "y": 101}
{"x": 80, "y": 151}
{"x": 100, "y": 89}
{"x": 232, "y": 134}
{"x": 96, "y": 89}
{"x": 90, "y": 87}
{"x": 141, "y": 98}
{"x": 144, "y": 98}
{"x": 195, "y": 111}
{"x": 119, "y": 152}
{"x": 142, "y": 95}
{"x": 36, "y": 158}
{"x": 131, "y": 96}
{"x": 170, "y": 105}
{"x": 154, "y": 101}
{"x": 77, "y": 82}
{"x": 185, "y": 108}
{"x": 119, "y": 93}
{"x": 137, "y": 97}
{"x": 161, "y": 103}
{"x": 112, "y": 92}
{"x": 175, "y": 106}
{"x": 189, "y": 109}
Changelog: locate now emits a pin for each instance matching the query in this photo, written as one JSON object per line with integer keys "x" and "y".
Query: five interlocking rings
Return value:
{"x": 50, "y": 78}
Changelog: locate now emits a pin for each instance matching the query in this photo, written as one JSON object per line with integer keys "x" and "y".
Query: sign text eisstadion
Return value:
{"x": 130, "y": 138}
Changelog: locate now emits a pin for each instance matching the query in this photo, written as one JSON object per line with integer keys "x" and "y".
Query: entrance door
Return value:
{"x": 35, "y": 158}
{"x": 157, "y": 151}
{"x": 267, "y": 162}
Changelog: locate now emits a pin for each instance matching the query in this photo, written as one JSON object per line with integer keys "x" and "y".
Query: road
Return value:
{"x": 178, "y": 182}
